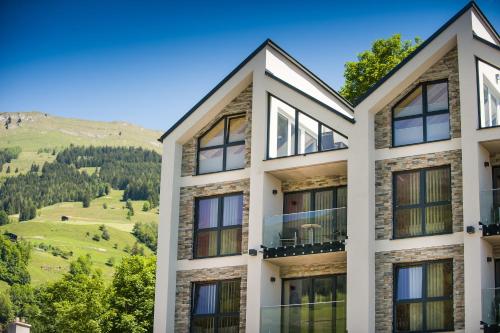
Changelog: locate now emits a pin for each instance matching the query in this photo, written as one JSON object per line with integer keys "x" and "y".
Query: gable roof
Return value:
{"x": 270, "y": 43}
{"x": 470, "y": 5}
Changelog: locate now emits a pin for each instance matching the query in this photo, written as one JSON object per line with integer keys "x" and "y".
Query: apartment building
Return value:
{"x": 284, "y": 208}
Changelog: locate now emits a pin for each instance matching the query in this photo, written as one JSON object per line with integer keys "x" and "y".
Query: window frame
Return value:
{"x": 216, "y": 315}
{"x": 223, "y": 146}
{"x": 479, "y": 102}
{"x": 296, "y": 133}
{"x": 219, "y": 228}
{"x": 425, "y": 113}
{"x": 424, "y": 299}
{"x": 422, "y": 205}
{"x": 313, "y": 192}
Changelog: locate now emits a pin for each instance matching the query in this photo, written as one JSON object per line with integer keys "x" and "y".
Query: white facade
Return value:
{"x": 272, "y": 72}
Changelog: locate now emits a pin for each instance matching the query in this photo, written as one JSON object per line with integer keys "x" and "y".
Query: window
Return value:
{"x": 222, "y": 147}
{"x": 292, "y": 132}
{"x": 422, "y": 202}
{"x": 422, "y": 115}
{"x": 488, "y": 94}
{"x": 218, "y": 226}
{"x": 216, "y": 307}
{"x": 424, "y": 297}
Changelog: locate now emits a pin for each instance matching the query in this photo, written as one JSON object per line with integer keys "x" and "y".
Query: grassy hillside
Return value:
{"x": 39, "y": 134}
{"x": 76, "y": 234}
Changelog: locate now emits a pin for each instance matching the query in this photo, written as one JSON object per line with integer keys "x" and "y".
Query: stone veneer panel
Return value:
{"x": 297, "y": 271}
{"x": 383, "y": 186}
{"x": 241, "y": 104}
{"x": 186, "y": 214}
{"x": 384, "y": 280}
{"x": 445, "y": 68}
{"x": 183, "y": 295}
{"x": 313, "y": 183}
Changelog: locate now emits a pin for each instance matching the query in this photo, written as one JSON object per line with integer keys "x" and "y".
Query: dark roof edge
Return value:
{"x": 306, "y": 95}
{"x": 470, "y": 5}
{"x": 314, "y": 76}
{"x": 211, "y": 92}
{"x": 486, "y": 21}
{"x": 487, "y": 42}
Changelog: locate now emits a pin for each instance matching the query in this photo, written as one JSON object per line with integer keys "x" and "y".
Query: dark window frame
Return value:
{"x": 311, "y": 294}
{"x": 219, "y": 228}
{"x": 223, "y": 146}
{"x": 217, "y": 313}
{"x": 479, "y": 102}
{"x": 423, "y": 200}
{"x": 424, "y": 299}
{"x": 425, "y": 113}
{"x": 313, "y": 192}
{"x": 296, "y": 137}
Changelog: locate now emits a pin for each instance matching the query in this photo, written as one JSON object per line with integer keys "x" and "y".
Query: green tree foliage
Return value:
{"x": 76, "y": 303}
{"x": 27, "y": 211}
{"x": 9, "y": 154}
{"x": 14, "y": 258}
{"x": 373, "y": 64}
{"x": 146, "y": 207}
{"x": 146, "y": 233}
{"x": 6, "y": 310}
{"x": 56, "y": 183}
{"x": 4, "y": 218}
{"x": 86, "y": 201}
{"x": 24, "y": 302}
{"x": 132, "y": 301}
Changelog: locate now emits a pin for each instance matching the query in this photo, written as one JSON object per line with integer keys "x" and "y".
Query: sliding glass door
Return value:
{"x": 314, "y": 304}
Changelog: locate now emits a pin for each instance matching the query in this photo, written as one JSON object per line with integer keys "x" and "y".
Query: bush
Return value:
{"x": 147, "y": 233}
{"x": 96, "y": 238}
{"x": 146, "y": 207}
{"x": 110, "y": 262}
{"x": 105, "y": 205}
{"x": 4, "y": 218}
{"x": 86, "y": 201}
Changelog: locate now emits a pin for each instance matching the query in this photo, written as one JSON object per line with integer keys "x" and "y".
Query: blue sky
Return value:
{"x": 148, "y": 62}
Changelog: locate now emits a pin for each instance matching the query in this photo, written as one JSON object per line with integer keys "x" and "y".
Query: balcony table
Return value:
{"x": 309, "y": 227}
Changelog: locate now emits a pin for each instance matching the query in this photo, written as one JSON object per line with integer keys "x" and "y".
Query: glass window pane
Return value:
{"x": 438, "y": 127}
{"x": 297, "y": 202}
{"x": 327, "y": 142}
{"x": 408, "y": 222}
{"x": 213, "y": 137}
{"x": 411, "y": 105}
{"x": 296, "y": 291}
{"x": 233, "y": 210}
{"x": 439, "y": 279}
{"x": 409, "y": 282}
{"x": 489, "y": 94}
{"x": 204, "y": 298}
{"x": 281, "y": 129}
{"x": 438, "y": 219}
{"x": 340, "y": 141}
{"x": 408, "y": 188}
{"x": 439, "y": 315}
{"x": 308, "y": 134}
{"x": 203, "y": 325}
{"x": 230, "y": 242}
{"x": 206, "y": 244}
{"x": 438, "y": 185}
{"x": 210, "y": 160}
{"x": 408, "y": 131}
{"x": 229, "y": 325}
{"x": 229, "y": 297}
{"x": 237, "y": 127}
{"x": 437, "y": 96}
{"x": 235, "y": 157}
{"x": 207, "y": 214}
{"x": 409, "y": 317}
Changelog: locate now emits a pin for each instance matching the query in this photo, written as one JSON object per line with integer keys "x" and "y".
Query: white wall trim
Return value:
{"x": 419, "y": 242}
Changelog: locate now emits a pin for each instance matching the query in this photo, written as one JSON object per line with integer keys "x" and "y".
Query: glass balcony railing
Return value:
{"x": 491, "y": 306}
{"x": 308, "y": 318}
{"x": 490, "y": 206}
{"x": 313, "y": 227}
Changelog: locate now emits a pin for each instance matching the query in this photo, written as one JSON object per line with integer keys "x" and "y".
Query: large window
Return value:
{"x": 488, "y": 94}
{"x": 292, "y": 132}
{"x": 216, "y": 307}
{"x": 222, "y": 147}
{"x": 218, "y": 226}
{"x": 422, "y": 115}
{"x": 314, "y": 304}
{"x": 423, "y": 297}
{"x": 422, "y": 202}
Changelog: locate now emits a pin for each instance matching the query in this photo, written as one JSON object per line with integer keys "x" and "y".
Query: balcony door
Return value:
{"x": 314, "y": 304}
{"x": 329, "y": 222}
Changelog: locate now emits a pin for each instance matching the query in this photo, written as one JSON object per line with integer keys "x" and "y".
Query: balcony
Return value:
{"x": 308, "y": 318}
{"x": 312, "y": 232}
{"x": 491, "y": 309}
{"x": 490, "y": 212}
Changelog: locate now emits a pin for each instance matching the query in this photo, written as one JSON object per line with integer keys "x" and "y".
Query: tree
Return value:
{"x": 14, "y": 257}
{"x": 6, "y": 311}
{"x": 132, "y": 301}
{"x": 146, "y": 206}
{"x": 24, "y": 303}
{"x": 374, "y": 64}
{"x": 8, "y": 169}
{"x": 4, "y": 218}
{"x": 86, "y": 201}
{"x": 146, "y": 233}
